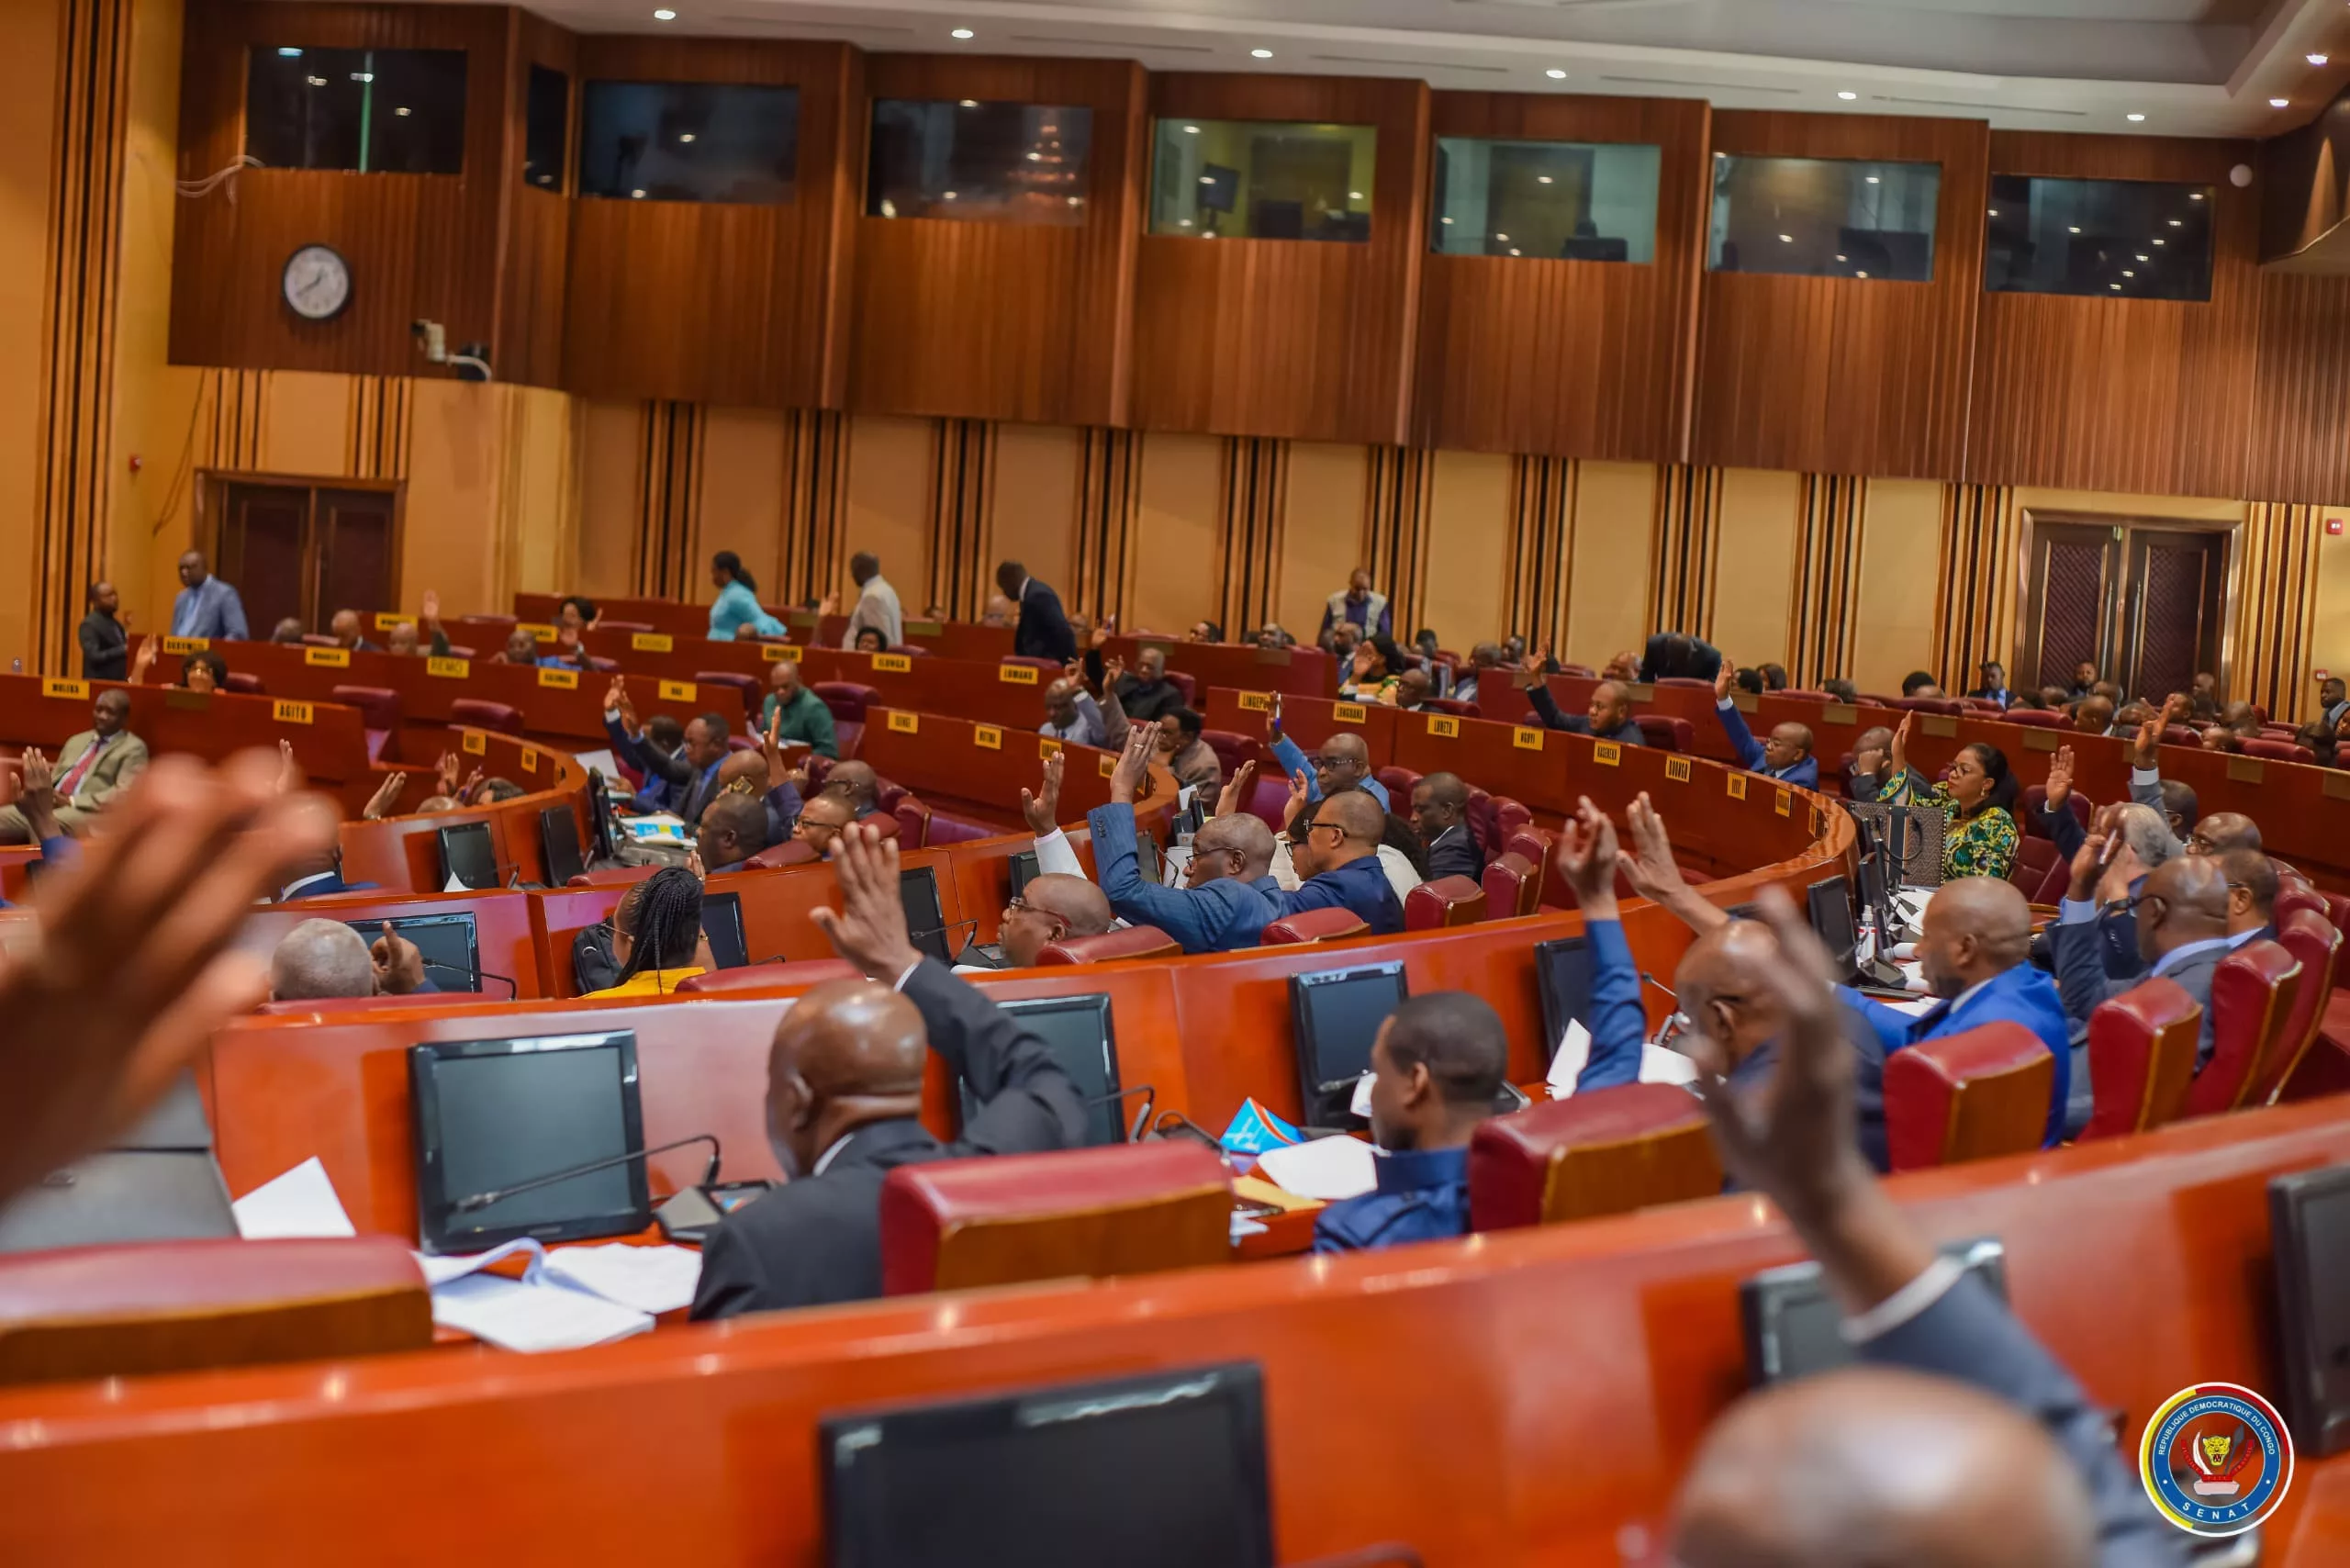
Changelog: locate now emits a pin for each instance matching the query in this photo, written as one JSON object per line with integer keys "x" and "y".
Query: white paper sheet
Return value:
{"x": 440, "y": 1270}
{"x": 1917, "y": 1009}
{"x": 1360, "y": 1104}
{"x": 517, "y": 1315}
{"x": 300, "y": 1202}
{"x": 650, "y": 1279}
{"x": 603, "y": 762}
{"x": 1574, "y": 1051}
{"x": 1324, "y": 1168}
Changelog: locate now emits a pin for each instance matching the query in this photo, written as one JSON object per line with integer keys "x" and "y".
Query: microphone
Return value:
{"x": 483, "y": 1200}
{"x": 1651, "y": 980}
{"x": 512, "y": 991}
{"x": 1149, "y": 1098}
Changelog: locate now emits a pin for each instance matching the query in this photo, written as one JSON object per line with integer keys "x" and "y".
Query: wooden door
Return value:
{"x": 302, "y": 552}
{"x": 353, "y": 534}
{"x": 263, "y": 552}
{"x": 2178, "y": 593}
{"x": 2069, "y": 614}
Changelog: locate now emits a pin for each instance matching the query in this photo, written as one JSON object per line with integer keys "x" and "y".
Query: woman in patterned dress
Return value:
{"x": 1978, "y": 796}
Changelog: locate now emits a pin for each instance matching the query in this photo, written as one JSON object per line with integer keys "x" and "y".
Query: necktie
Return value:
{"x": 79, "y": 772}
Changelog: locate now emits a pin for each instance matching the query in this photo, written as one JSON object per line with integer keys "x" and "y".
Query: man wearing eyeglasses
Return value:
{"x": 2251, "y": 896}
{"x": 1338, "y": 866}
{"x": 2182, "y": 920}
{"x": 1343, "y": 763}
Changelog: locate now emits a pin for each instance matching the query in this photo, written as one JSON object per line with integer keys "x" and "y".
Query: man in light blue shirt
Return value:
{"x": 1343, "y": 763}
{"x": 205, "y": 607}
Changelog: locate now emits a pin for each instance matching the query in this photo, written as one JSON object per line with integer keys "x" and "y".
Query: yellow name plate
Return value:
{"x": 651, "y": 641}
{"x": 905, "y": 723}
{"x": 287, "y": 711}
{"x": 1444, "y": 726}
{"x": 1784, "y": 804}
{"x": 1016, "y": 675}
{"x": 76, "y": 689}
{"x": 452, "y": 669}
{"x": 1525, "y": 739}
{"x": 1607, "y": 754}
{"x": 782, "y": 653}
{"x": 1256, "y": 701}
{"x": 387, "y": 618}
{"x": 562, "y": 680}
{"x": 1348, "y": 713}
{"x": 1047, "y": 746}
{"x": 186, "y": 644}
{"x": 677, "y": 691}
{"x": 894, "y": 664}
{"x": 1677, "y": 769}
{"x": 332, "y": 658}
{"x": 543, "y": 633}
{"x": 1735, "y": 783}
{"x": 476, "y": 743}
{"x": 989, "y": 737}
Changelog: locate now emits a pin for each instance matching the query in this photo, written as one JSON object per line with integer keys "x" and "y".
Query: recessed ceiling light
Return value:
{"x": 1848, "y": 98}
{"x": 1261, "y": 53}
{"x": 1207, "y": 179}
{"x": 1444, "y": 220}
{"x": 960, "y": 33}
{"x": 401, "y": 111}
{"x": 2072, "y": 229}
{"x": 1354, "y": 195}
{"x": 1995, "y": 212}
{"x": 1862, "y": 274}
{"x": 970, "y": 103}
{"x": 1555, "y": 74}
{"x": 1541, "y": 179}
{"x": 2280, "y": 103}
{"x": 2317, "y": 60}
{"x": 1840, "y": 256}
{"x": 1514, "y": 251}
{"x": 2133, "y": 119}
{"x": 2143, "y": 256}
{"x": 1191, "y": 130}
{"x": 638, "y": 195}
{"x": 1035, "y": 157}
{"x": 1786, "y": 239}
{"x": 950, "y": 196}
{"x": 2195, "y": 195}
{"x": 665, "y": 15}
{"x": 1503, "y": 237}
{"x": 2157, "y": 241}
{"x": 684, "y": 136}
{"x": 1186, "y": 223}
{"x": 2129, "y": 272}
{"x": 2113, "y": 285}
{"x": 289, "y": 53}
{"x": 1872, "y": 179}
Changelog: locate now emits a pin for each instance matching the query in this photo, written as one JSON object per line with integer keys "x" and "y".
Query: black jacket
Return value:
{"x": 818, "y": 1239}
{"x": 1454, "y": 854}
{"x": 1546, "y": 708}
{"x": 1043, "y": 632}
{"x": 105, "y": 648}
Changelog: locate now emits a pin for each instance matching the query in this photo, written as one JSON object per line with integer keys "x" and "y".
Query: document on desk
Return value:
{"x": 649, "y": 1279}
{"x": 440, "y": 1271}
{"x": 1659, "y": 1064}
{"x": 533, "y": 1314}
{"x": 1324, "y": 1168}
{"x": 302, "y": 1203}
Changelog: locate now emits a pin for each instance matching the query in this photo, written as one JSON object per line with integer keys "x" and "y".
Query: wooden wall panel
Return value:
{"x": 529, "y": 345}
{"x": 1572, "y": 359}
{"x": 1311, "y": 340}
{"x": 2300, "y": 391}
{"x": 419, "y": 245}
{"x": 1838, "y": 375}
{"x": 1004, "y": 320}
{"x": 712, "y": 302}
{"x": 2122, "y": 394}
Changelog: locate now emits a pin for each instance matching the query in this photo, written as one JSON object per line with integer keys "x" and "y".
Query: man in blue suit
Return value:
{"x": 1228, "y": 895}
{"x": 1339, "y": 865}
{"x": 1785, "y": 756}
{"x": 1974, "y": 948}
{"x": 2180, "y": 916}
{"x": 682, "y": 782}
{"x": 1954, "y": 1400}
{"x": 1042, "y": 632}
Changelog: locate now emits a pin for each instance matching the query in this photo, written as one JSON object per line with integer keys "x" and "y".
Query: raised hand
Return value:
{"x": 1130, "y": 780}
{"x": 1586, "y": 858}
{"x": 473, "y": 787}
{"x": 1365, "y": 656}
{"x": 2144, "y": 746}
{"x": 615, "y": 695}
{"x": 450, "y": 770}
{"x": 693, "y": 862}
{"x": 771, "y": 746}
{"x": 430, "y": 613}
{"x": 1113, "y": 670}
{"x": 400, "y": 966}
{"x": 1102, "y": 632}
{"x": 1900, "y": 749}
{"x": 1656, "y": 876}
{"x": 290, "y": 774}
{"x": 387, "y": 796}
{"x": 870, "y": 928}
{"x": 37, "y": 797}
{"x": 2089, "y": 864}
{"x": 1299, "y": 783}
{"x": 1235, "y": 795}
{"x": 2176, "y": 707}
{"x": 2059, "y": 778}
{"x": 628, "y": 709}
{"x": 144, "y": 660}
{"x": 832, "y": 605}
{"x": 1042, "y": 810}
{"x": 1723, "y": 678}
{"x": 1527, "y": 676}
{"x": 134, "y": 969}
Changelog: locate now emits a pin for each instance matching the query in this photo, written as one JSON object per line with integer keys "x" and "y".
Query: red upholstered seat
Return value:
{"x": 474, "y": 712}
{"x": 1531, "y": 844}
{"x": 2181, "y": 735}
{"x": 1666, "y": 733}
{"x": 1231, "y": 749}
{"x": 1513, "y": 887}
{"x": 1034, "y": 661}
{"x": 1582, "y": 672}
{"x": 320, "y": 640}
{"x": 916, "y": 650}
{"x": 1399, "y": 783}
{"x": 2035, "y": 797}
{"x": 1189, "y": 685}
{"x": 1452, "y": 705}
{"x": 1609, "y": 1152}
{"x": 766, "y": 977}
{"x": 945, "y": 829}
{"x": 1928, "y": 704}
{"x": 1806, "y": 694}
{"x": 1448, "y": 901}
{"x": 1485, "y": 819}
{"x": 612, "y": 876}
{"x": 1981, "y": 705}
{"x": 1971, "y": 1095}
{"x": 1111, "y": 947}
{"x": 751, "y": 689}
{"x": 379, "y": 706}
{"x": 2039, "y": 719}
{"x": 243, "y": 682}
{"x": 1268, "y": 798}
{"x": 2298, "y": 899}
{"x": 791, "y": 852}
{"x": 847, "y": 698}
{"x": 2277, "y": 750}
{"x": 849, "y": 735}
{"x": 1690, "y": 682}
{"x": 500, "y": 624}
{"x": 1126, "y": 1209}
{"x": 2142, "y": 1059}
{"x": 609, "y": 625}
{"x": 1332, "y": 924}
{"x": 2253, "y": 993}
{"x": 913, "y": 821}
{"x": 2036, "y": 860}
{"x": 2312, "y": 939}
{"x": 1510, "y": 817}
{"x": 165, "y": 1306}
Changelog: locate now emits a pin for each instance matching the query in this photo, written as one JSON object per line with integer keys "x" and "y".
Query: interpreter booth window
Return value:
{"x": 981, "y": 163}
{"x": 367, "y": 111}
{"x": 1580, "y": 201}
{"x": 2111, "y": 238}
{"x": 546, "y": 127}
{"x": 1824, "y": 218}
{"x": 713, "y": 142}
{"x": 1237, "y": 179}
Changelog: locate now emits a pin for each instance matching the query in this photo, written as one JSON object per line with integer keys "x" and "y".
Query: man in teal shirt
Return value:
{"x": 796, "y": 713}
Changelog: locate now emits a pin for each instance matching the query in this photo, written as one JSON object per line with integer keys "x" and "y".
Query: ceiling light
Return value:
{"x": 1848, "y": 98}
{"x": 1077, "y": 201}
{"x": 2143, "y": 256}
{"x": 2317, "y": 60}
{"x": 1186, "y": 223}
{"x": 2133, "y": 120}
{"x": 1261, "y": 53}
{"x": 1555, "y": 74}
{"x": 289, "y": 54}
{"x": 2175, "y": 223}
{"x": 2280, "y": 103}
{"x": 1354, "y": 195}
{"x": 1995, "y": 212}
{"x": 948, "y": 195}
{"x": 1191, "y": 130}
{"x": 1444, "y": 220}
{"x": 2195, "y": 195}
{"x": 970, "y": 103}
{"x": 665, "y": 15}
{"x": 363, "y": 76}
{"x": 316, "y": 81}
{"x": 2072, "y": 229}
{"x": 1860, "y": 274}
{"x": 1035, "y": 157}
{"x": 638, "y": 195}
{"x": 2129, "y": 272}
{"x": 1207, "y": 179}
{"x": 2113, "y": 285}
{"x": 1872, "y": 179}
{"x": 1786, "y": 239}
{"x": 960, "y": 33}
{"x": 1840, "y": 256}
{"x": 1503, "y": 237}
{"x": 401, "y": 111}
{"x": 1514, "y": 251}
{"x": 684, "y": 136}
{"x": 2157, "y": 241}
{"x": 1541, "y": 179}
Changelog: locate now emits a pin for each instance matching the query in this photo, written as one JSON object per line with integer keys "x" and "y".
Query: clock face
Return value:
{"x": 317, "y": 283}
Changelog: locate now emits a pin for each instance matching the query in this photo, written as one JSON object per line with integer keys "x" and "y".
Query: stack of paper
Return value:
{"x": 300, "y": 1202}
{"x": 1659, "y": 1064}
{"x": 1324, "y": 1168}
{"x": 566, "y": 1299}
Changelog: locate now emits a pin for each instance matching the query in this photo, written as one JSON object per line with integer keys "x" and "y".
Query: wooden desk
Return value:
{"x": 402, "y": 853}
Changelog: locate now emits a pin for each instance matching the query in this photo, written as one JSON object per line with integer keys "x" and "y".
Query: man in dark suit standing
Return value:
{"x": 1042, "y": 632}
{"x": 845, "y": 1101}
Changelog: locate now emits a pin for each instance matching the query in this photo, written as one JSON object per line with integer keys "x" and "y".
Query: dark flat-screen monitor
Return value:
{"x": 1219, "y": 187}
{"x": 1023, "y": 871}
{"x": 925, "y": 916}
{"x": 2309, "y": 1226}
{"x": 449, "y": 943}
{"x": 1334, "y": 1016}
{"x": 1792, "y": 1324}
{"x": 467, "y": 853}
{"x": 608, "y": 827}
{"x": 1562, "y": 970}
{"x": 722, "y": 921}
{"x": 1163, "y": 1471}
{"x": 495, "y": 1114}
{"x": 1831, "y": 916}
{"x": 1079, "y": 1032}
{"x": 1152, "y": 867}
{"x": 559, "y": 835}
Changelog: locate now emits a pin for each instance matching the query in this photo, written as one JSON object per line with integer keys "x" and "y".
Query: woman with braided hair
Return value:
{"x": 657, "y": 935}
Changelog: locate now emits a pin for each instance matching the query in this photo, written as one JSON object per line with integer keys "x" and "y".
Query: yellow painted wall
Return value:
{"x": 742, "y": 494}
{"x": 1607, "y": 593}
{"x": 1322, "y": 533}
{"x": 1463, "y": 587}
{"x": 1755, "y": 565}
{"x": 2330, "y": 648}
{"x": 890, "y": 478}
{"x": 1173, "y": 554}
{"x": 611, "y": 455}
{"x": 1035, "y": 504}
{"x": 1901, "y": 523}
{"x": 28, "y": 105}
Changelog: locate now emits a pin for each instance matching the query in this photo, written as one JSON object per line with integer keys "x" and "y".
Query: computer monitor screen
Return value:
{"x": 722, "y": 921}
{"x": 1079, "y": 1032}
{"x": 1336, "y": 1016}
{"x": 1152, "y": 867}
{"x": 450, "y": 945}
{"x": 1792, "y": 1323}
{"x": 2308, "y": 1222}
{"x": 468, "y": 855}
{"x": 1219, "y": 187}
{"x": 607, "y": 830}
{"x": 1024, "y": 870}
{"x": 1562, "y": 970}
{"x": 1163, "y": 1471}
{"x": 491, "y": 1114}
{"x": 925, "y": 916}
{"x": 1831, "y": 917}
{"x": 559, "y": 834}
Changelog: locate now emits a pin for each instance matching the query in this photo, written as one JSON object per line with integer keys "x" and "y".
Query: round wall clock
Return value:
{"x": 317, "y": 283}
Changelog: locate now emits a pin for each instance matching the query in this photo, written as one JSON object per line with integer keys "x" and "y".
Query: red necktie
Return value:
{"x": 79, "y": 772}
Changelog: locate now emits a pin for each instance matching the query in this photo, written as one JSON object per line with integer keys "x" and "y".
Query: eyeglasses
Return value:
{"x": 1326, "y": 761}
{"x": 1334, "y": 827}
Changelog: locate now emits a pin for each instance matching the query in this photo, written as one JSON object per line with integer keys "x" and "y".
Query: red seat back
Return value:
{"x": 607, "y": 624}
{"x": 1231, "y": 747}
{"x": 1609, "y": 1152}
{"x": 2035, "y": 860}
{"x": 1513, "y": 887}
{"x": 1034, "y": 661}
{"x": 2036, "y": 796}
{"x": 791, "y": 852}
{"x": 2142, "y": 1059}
{"x": 2039, "y": 719}
{"x": 2253, "y": 993}
{"x": 2295, "y": 899}
{"x": 1126, "y": 1209}
{"x": 913, "y": 821}
{"x": 1448, "y": 901}
{"x": 1510, "y": 817}
{"x": 1452, "y": 705}
{"x": 1332, "y": 924}
{"x": 320, "y": 640}
{"x": 2317, "y": 945}
{"x": 379, "y": 706}
{"x": 609, "y": 876}
{"x": 474, "y": 712}
{"x": 2277, "y": 750}
{"x": 752, "y": 690}
{"x": 243, "y": 681}
{"x": 1399, "y": 783}
{"x": 1187, "y": 685}
{"x": 847, "y": 698}
{"x": 766, "y": 977}
{"x": 1971, "y": 1095}
{"x": 1111, "y": 947}
{"x": 1664, "y": 731}
{"x": 2182, "y": 735}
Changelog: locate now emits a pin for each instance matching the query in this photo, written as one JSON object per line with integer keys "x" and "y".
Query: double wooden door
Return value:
{"x": 305, "y": 551}
{"x": 2144, "y": 602}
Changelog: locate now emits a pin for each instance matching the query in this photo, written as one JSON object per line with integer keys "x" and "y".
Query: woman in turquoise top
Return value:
{"x": 738, "y": 602}
{"x": 1979, "y": 798}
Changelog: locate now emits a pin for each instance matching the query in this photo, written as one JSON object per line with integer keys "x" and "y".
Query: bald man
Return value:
{"x": 2223, "y": 830}
{"x": 733, "y": 828}
{"x": 1975, "y": 947}
{"x": 796, "y": 713}
{"x": 821, "y": 820}
{"x": 2251, "y": 896}
{"x": 845, "y": 1101}
{"x": 2094, "y": 716}
{"x": 1608, "y": 717}
{"x": 1228, "y": 895}
{"x": 1050, "y": 907}
{"x": 1785, "y": 756}
{"x": 1337, "y": 863}
{"x": 859, "y": 784}
{"x": 1343, "y": 763}
{"x": 323, "y": 960}
{"x": 2182, "y": 918}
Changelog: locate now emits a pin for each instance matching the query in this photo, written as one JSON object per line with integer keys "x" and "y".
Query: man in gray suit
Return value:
{"x": 2182, "y": 915}
{"x": 92, "y": 768}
